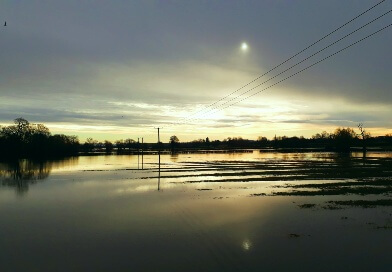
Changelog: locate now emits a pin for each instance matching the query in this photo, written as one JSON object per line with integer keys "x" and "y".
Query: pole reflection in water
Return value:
{"x": 138, "y": 160}
{"x": 159, "y": 170}
{"x": 140, "y": 150}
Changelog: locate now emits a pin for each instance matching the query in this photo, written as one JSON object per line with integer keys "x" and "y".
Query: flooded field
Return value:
{"x": 198, "y": 212}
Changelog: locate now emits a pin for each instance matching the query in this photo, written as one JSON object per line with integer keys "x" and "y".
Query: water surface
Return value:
{"x": 194, "y": 212}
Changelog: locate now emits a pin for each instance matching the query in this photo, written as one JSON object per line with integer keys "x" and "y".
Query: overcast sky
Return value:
{"x": 117, "y": 69}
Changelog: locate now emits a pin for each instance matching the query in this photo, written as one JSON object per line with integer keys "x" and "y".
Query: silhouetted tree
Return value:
{"x": 61, "y": 144}
{"x": 90, "y": 144}
{"x": 197, "y": 143}
{"x": 129, "y": 143}
{"x": 120, "y": 145}
{"x": 108, "y": 146}
{"x": 364, "y": 135}
{"x": 344, "y": 138}
{"x": 262, "y": 141}
{"x": 174, "y": 142}
{"x": 275, "y": 142}
{"x": 26, "y": 140}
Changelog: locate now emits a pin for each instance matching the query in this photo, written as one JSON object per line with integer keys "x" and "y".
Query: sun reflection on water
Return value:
{"x": 246, "y": 245}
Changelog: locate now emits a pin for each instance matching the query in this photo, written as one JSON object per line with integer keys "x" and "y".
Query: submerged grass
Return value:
{"x": 360, "y": 190}
{"x": 286, "y": 169}
{"x": 307, "y": 206}
{"x": 372, "y": 186}
{"x": 363, "y": 203}
{"x": 370, "y": 182}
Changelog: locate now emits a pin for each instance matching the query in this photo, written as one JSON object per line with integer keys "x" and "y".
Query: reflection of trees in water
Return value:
{"x": 22, "y": 173}
{"x": 174, "y": 157}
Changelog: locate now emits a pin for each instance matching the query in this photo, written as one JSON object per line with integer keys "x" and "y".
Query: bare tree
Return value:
{"x": 365, "y": 135}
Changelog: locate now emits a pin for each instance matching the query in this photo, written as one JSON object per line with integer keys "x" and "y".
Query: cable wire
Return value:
{"x": 314, "y": 54}
{"x": 302, "y": 70}
{"x": 290, "y": 58}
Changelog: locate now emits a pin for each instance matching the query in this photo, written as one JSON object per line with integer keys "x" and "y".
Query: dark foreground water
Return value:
{"x": 198, "y": 212}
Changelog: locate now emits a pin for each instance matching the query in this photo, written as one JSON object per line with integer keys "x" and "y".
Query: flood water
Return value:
{"x": 195, "y": 212}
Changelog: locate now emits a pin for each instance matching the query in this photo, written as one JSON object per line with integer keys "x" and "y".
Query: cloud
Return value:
{"x": 138, "y": 64}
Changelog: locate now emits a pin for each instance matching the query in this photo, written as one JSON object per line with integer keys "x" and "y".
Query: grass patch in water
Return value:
{"x": 363, "y": 203}
{"x": 260, "y": 194}
{"x": 362, "y": 187}
{"x": 307, "y": 206}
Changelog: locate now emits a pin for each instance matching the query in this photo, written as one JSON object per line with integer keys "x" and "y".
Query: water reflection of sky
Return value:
{"x": 102, "y": 213}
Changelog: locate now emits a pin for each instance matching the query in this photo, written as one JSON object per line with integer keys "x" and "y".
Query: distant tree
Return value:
{"x": 120, "y": 145}
{"x": 108, "y": 146}
{"x": 61, "y": 144}
{"x": 197, "y": 143}
{"x": 262, "y": 141}
{"x": 216, "y": 143}
{"x": 23, "y": 129}
{"x": 275, "y": 142}
{"x": 129, "y": 143}
{"x": 235, "y": 142}
{"x": 174, "y": 142}
{"x": 323, "y": 139}
{"x": 18, "y": 132}
{"x": 90, "y": 144}
{"x": 388, "y": 139}
{"x": 174, "y": 139}
{"x": 344, "y": 138}
{"x": 38, "y": 138}
{"x": 40, "y": 129}
{"x": 24, "y": 138}
{"x": 364, "y": 135}
{"x": 323, "y": 135}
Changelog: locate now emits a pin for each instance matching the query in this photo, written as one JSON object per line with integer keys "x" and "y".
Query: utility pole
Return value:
{"x": 159, "y": 139}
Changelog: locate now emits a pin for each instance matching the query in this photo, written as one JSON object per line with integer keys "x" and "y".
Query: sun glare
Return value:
{"x": 244, "y": 46}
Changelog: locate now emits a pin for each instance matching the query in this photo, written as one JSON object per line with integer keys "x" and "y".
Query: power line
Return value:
{"x": 314, "y": 54}
{"x": 303, "y": 50}
{"x": 304, "y": 69}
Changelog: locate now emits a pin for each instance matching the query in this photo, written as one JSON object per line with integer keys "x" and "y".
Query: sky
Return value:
{"x": 119, "y": 69}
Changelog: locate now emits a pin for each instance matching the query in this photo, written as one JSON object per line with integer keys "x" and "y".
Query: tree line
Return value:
{"x": 24, "y": 139}
{"x": 341, "y": 140}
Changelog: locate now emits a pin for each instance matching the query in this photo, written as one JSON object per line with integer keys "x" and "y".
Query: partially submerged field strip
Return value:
{"x": 278, "y": 170}
{"x": 310, "y": 176}
{"x": 252, "y": 174}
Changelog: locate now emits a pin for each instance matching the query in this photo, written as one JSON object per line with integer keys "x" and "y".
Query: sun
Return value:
{"x": 244, "y": 46}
